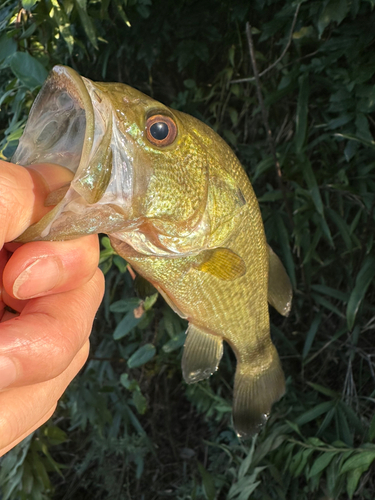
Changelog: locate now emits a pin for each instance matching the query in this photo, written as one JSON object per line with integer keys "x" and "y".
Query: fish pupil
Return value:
{"x": 159, "y": 131}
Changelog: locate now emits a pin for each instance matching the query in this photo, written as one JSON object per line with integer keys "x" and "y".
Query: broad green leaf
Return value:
{"x": 334, "y": 10}
{"x": 8, "y": 46}
{"x": 140, "y": 402}
{"x": 321, "y": 463}
{"x": 28, "y": 69}
{"x": 174, "y": 343}
{"x": 124, "y": 305}
{"x": 362, "y": 459}
{"x": 126, "y": 325}
{"x": 141, "y": 356}
{"x": 302, "y": 112}
{"x": 352, "y": 480}
{"x": 362, "y": 282}
{"x": 29, "y": 4}
{"x": 208, "y": 482}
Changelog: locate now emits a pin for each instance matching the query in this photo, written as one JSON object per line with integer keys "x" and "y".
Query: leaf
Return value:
{"x": 150, "y": 301}
{"x": 362, "y": 282}
{"x": 87, "y": 23}
{"x": 29, "y": 4}
{"x": 285, "y": 248}
{"x": 28, "y": 69}
{"x": 302, "y": 112}
{"x": 314, "y": 413}
{"x": 61, "y": 19}
{"x": 312, "y": 185}
{"x": 324, "y": 390}
{"x": 341, "y": 226}
{"x": 140, "y": 402}
{"x": 321, "y": 463}
{"x": 208, "y": 482}
{"x": 334, "y": 10}
{"x": 174, "y": 343}
{"x": 352, "y": 480}
{"x": 8, "y": 46}
{"x": 127, "y": 324}
{"x": 141, "y": 356}
{"x": 244, "y": 467}
{"x": 362, "y": 459}
{"x": 311, "y": 334}
{"x": 371, "y": 431}
{"x": 124, "y": 305}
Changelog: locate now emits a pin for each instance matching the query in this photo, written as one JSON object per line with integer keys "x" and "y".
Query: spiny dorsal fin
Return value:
{"x": 202, "y": 354}
{"x": 280, "y": 291}
{"x": 222, "y": 263}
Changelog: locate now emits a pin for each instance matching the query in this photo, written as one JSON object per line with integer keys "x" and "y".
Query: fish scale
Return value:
{"x": 180, "y": 209}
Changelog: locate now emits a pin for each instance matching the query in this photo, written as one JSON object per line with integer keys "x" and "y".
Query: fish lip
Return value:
{"x": 30, "y": 150}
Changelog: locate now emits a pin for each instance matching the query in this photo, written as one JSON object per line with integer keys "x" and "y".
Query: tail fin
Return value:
{"x": 254, "y": 395}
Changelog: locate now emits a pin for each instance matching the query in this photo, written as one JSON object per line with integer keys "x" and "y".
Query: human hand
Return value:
{"x": 49, "y": 294}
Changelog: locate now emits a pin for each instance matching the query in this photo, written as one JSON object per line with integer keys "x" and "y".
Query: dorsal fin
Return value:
{"x": 280, "y": 291}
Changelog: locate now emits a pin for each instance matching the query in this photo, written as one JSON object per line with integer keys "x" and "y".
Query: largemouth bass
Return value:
{"x": 180, "y": 209}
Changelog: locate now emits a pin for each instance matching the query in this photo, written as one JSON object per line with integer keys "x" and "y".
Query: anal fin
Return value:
{"x": 254, "y": 395}
{"x": 202, "y": 354}
{"x": 279, "y": 287}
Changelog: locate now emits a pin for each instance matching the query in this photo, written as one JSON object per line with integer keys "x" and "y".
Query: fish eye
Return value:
{"x": 161, "y": 130}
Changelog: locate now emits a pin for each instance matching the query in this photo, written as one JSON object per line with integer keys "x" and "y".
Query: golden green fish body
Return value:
{"x": 179, "y": 207}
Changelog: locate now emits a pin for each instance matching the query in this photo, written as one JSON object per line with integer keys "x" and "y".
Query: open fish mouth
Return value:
{"x": 71, "y": 124}
{"x": 60, "y": 128}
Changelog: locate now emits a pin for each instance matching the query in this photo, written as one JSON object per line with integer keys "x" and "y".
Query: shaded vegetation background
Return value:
{"x": 129, "y": 427}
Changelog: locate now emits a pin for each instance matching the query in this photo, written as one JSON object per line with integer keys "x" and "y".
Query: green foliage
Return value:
{"x": 128, "y": 427}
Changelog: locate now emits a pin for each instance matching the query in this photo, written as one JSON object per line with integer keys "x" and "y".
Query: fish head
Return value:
{"x": 136, "y": 163}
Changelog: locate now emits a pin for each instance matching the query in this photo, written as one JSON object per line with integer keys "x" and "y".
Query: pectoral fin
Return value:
{"x": 279, "y": 287}
{"x": 202, "y": 354}
{"x": 222, "y": 263}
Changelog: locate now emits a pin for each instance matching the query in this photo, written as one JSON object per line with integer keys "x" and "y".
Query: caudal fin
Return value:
{"x": 254, "y": 395}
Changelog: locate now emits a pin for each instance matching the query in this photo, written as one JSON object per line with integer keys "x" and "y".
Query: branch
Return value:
{"x": 241, "y": 80}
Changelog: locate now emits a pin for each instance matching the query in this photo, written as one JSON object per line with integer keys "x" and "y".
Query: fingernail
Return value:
{"x": 40, "y": 277}
{"x": 8, "y": 372}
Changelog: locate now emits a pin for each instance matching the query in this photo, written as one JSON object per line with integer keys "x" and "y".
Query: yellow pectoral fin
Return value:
{"x": 202, "y": 354}
{"x": 279, "y": 287}
{"x": 222, "y": 263}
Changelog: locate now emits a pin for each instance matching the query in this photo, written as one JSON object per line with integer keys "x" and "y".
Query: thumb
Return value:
{"x": 22, "y": 194}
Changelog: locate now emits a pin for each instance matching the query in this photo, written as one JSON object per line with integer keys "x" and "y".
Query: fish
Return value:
{"x": 180, "y": 209}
